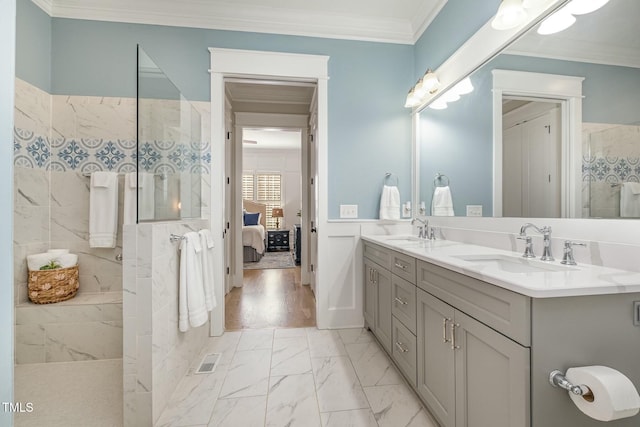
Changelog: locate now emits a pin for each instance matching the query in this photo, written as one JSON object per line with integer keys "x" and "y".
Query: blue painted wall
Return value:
{"x": 457, "y": 21}
{"x": 33, "y": 45}
{"x": 457, "y": 141}
{"x": 369, "y": 130}
{"x": 7, "y": 73}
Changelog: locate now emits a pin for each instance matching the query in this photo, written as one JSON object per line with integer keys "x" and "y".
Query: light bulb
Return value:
{"x": 412, "y": 100}
{"x": 510, "y": 14}
{"x": 430, "y": 81}
{"x": 420, "y": 89}
{"x": 450, "y": 96}
{"x": 581, "y": 7}
{"x": 463, "y": 87}
{"x": 558, "y": 21}
{"x": 438, "y": 104}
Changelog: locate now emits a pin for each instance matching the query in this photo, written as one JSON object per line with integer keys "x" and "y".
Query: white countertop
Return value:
{"x": 582, "y": 279}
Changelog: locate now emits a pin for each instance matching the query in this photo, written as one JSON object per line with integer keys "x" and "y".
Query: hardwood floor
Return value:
{"x": 271, "y": 298}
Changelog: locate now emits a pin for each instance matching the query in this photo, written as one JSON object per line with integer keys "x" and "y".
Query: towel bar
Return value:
{"x": 175, "y": 238}
{"x": 440, "y": 177}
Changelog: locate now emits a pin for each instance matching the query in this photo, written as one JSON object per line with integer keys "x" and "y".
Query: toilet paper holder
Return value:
{"x": 557, "y": 379}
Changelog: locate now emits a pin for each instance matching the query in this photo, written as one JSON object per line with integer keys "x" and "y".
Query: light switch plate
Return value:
{"x": 474, "y": 210}
{"x": 348, "y": 211}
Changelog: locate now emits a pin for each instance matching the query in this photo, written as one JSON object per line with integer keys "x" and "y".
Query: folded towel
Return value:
{"x": 630, "y": 200}
{"x": 390, "y": 202}
{"x": 130, "y": 198}
{"x": 206, "y": 240}
{"x": 103, "y": 210}
{"x": 442, "y": 204}
{"x": 146, "y": 196}
{"x": 58, "y": 251}
{"x": 34, "y": 262}
{"x": 192, "y": 308}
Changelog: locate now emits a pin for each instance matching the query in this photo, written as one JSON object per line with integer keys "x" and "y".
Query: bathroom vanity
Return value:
{"x": 476, "y": 331}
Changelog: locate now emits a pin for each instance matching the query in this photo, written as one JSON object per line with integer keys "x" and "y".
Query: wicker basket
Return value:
{"x": 48, "y": 286}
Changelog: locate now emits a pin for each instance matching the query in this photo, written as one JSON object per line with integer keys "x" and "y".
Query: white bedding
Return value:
{"x": 253, "y": 235}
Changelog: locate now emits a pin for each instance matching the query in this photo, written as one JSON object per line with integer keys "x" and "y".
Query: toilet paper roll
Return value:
{"x": 614, "y": 395}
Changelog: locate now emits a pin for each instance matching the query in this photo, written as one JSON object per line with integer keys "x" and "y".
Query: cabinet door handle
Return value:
{"x": 453, "y": 336}
{"x": 376, "y": 275}
{"x": 397, "y": 264}
{"x": 400, "y": 301}
{"x": 401, "y": 348}
{"x": 444, "y": 329}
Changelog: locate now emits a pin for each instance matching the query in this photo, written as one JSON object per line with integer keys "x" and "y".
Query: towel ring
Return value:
{"x": 439, "y": 177}
{"x": 390, "y": 175}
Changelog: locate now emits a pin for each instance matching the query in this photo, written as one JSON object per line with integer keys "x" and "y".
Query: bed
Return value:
{"x": 253, "y": 236}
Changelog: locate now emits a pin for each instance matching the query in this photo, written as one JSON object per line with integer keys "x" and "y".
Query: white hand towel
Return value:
{"x": 206, "y": 240}
{"x": 390, "y": 202}
{"x": 191, "y": 301}
{"x": 130, "y": 198}
{"x": 147, "y": 188}
{"x": 67, "y": 260}
{"x": 442, "y": 204}
{"x": 35, "y": 261}
{"x": 630, "y": 200}
{"x": 103, "y": 210}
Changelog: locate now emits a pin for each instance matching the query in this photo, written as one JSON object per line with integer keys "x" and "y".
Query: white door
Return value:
{"x": 313, "y": 208}
{"x": 531, "y": 166}
{"x": 228, "y": 200}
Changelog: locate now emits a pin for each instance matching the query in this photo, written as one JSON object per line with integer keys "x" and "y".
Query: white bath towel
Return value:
{"x": 103, "y": 210}
{"x": 390, "y": 202}
{"x": 630, "y": 200}
{"x": 35, "y": 261}
{"x": 442, "y": 204}
{"x": 138, "y": 187}
{"x": 206, "y": 240}
{"x": 192, "y": 310}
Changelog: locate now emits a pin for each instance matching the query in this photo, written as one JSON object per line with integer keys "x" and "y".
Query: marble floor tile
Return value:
{"x": 290, "y": 357}
{"x": 292, "y": 402}
{"x": 248, "y": 374}
{"x": 357, "y": 335}
{"x": 337, "y": 385}
{"x": 397, "y": 406}
{"x": 86, "y": 393}
{"x": 192, "y": 402}
{"x": 289, "y": 333}
{"x": 324, "y": 343}
{"x": 225, "y": 345}
{"x": 244, "y": 411}
{"x": 372, "y": 365}
{"x": 258, "y": 339}
{"x": 355, "y": 418}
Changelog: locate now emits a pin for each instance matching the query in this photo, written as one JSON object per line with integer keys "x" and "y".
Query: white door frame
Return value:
{"x": 273, "y": 65}
{"x": 567, "y": 90}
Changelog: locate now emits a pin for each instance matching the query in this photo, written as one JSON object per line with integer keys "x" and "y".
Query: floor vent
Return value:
{"x": 208, "y": 364}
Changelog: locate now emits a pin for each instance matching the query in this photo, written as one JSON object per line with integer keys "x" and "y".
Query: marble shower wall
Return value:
{"x": 611, "y": 155}
{"x": 156, "y": 354}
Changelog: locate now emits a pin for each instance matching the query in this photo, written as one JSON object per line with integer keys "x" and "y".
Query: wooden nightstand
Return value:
{"x": 277, "y": 240}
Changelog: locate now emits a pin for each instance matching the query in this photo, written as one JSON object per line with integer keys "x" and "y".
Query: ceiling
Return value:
{"x": 262, "y": 96}
{"x": 606, "y": 36}
{"x": 394, "y": 21}
{"x": 271, "y": 139}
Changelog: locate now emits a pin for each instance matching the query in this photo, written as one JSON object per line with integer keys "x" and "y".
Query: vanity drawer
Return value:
{"x": 403, "y": 297}
{"x": 505, "y": 311}
{"x": 378, "y": 254}
{"x": 403, "y": 266}
{"x": 404, "y": 351}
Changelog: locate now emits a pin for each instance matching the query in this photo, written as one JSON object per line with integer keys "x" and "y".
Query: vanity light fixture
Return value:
{"x": 463, "y": 87}
{"x": 428, "y": 84}
{"x": 438, "y": 104}
{"x": 558, "y": 21}
{"x": 564, "y": 18}
{"x": 511, "y": 13}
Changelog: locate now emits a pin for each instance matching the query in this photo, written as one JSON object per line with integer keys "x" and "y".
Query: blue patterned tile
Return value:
{"x": 127, "y": 167}
{"x": 90, "y": 167}
{"x": 23, "y": 135}
{"x": 23, "y": 161}
{"x": 126, "y": 145}
{"x": 182, "y": 157}
{"x": 39, "y": 151}
{"x": 600, "y": 168}
{"x": 622, "y": 169}
{"x": 92, "y": 143}
{"x": 73, "y": 155}
{"x": 206, "y": 158}
{"x": 110, "y": 155}
{"x": 148, "y": 156}
{"x": 16, "y": 146}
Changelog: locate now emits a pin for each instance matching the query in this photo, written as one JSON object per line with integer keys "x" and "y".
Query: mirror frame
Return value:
{"x": 478, "y": 50}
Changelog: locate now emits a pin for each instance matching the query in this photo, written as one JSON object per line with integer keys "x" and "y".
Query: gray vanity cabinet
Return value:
{"x": 377, "y": 302}
{"x": 469, "y": 374}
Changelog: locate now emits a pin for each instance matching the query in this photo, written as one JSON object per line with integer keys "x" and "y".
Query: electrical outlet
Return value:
{"x": 348, "y": 211}
{"x": 474, "y": 210}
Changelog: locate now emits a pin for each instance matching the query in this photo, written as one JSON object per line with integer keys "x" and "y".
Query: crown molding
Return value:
{"x": 424, "y": 17}
{"x": 46, "y": 5}
{"x": 579, "y": 51}
{"x": 258, "y": 19}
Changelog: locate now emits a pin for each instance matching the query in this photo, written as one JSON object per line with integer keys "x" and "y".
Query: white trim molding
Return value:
{"x": 283, "y": 66}
{"x": 568, "y": 91}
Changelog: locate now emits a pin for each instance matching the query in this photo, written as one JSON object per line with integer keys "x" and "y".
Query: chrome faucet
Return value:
{"x": 546, "y": 233}
{"x": 422, "y": 229}
{"x": 568, "y": 259}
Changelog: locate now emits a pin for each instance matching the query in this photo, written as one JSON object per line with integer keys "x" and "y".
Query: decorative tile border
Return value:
{"x": 610, "y": 169}
{"x": 90, "y": 155}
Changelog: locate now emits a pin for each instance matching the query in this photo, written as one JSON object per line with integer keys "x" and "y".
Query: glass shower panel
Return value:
{"x": 169, "y": 152}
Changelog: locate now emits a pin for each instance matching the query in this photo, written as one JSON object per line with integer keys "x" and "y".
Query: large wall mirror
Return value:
{"x": 565, "y": 144}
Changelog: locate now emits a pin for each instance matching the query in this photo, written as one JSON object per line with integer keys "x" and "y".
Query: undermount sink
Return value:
{"x": 511, "y": 264}
{"x": 401, "y": 239}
